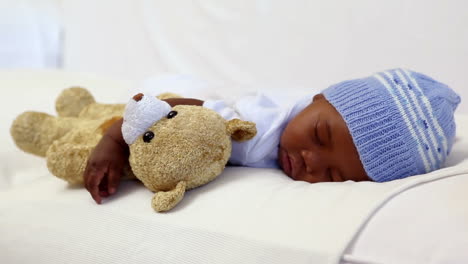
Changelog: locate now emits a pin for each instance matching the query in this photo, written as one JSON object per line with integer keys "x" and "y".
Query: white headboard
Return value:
{"x": 272, "y": 43}
{"x": 30, "y": 34}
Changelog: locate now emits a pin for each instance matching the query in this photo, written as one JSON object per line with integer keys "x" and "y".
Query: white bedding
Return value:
{"x": 245, "y": 216}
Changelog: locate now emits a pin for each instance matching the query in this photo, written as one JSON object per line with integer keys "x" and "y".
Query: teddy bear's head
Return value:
{"x": 173, "y": 149}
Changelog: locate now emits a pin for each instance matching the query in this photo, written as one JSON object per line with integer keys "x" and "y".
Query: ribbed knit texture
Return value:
{"x": 401, "y": 121}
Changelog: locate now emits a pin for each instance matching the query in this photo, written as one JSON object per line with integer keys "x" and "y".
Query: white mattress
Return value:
{"x": 245, "y": 216}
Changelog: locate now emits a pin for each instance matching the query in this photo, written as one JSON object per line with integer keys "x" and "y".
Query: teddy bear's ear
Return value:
{"x": 241, "y": 130}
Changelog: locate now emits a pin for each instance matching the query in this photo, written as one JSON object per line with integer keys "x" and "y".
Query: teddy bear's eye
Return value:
{"x": 171, "y": 114}
{"x": 148, "y": 136}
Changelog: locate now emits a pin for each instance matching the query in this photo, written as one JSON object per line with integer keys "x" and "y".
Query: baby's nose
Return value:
{"x": 314, "y": 163}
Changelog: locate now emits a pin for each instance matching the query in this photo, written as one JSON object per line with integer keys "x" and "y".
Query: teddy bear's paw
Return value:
{"x": 164, "y": 201}
{"x": 31, "y": 132}
{"x": 72, "y": 101}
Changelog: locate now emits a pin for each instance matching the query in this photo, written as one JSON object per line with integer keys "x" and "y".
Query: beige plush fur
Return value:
{"x": 188, "y": 150}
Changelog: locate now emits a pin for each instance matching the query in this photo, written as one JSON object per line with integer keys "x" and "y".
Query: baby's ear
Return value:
{"x": 241, "y": 130}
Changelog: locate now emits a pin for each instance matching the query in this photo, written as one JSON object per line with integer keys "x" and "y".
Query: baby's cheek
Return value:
{"x": 292, "y": 138}
{"x": 287, "y": 136}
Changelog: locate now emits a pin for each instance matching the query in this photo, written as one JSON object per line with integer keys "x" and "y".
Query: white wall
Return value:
{"x": 269, "y": 43}
{"x": 30, "y": 34}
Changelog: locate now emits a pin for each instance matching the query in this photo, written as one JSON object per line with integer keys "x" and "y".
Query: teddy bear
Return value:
{"x": 172, "y": 149}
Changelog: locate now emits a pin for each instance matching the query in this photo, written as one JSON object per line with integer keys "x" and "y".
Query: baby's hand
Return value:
{"x": 105, "y": 167}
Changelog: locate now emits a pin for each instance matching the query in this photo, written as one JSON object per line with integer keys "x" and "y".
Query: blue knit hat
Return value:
{"x": 401, "y": 121}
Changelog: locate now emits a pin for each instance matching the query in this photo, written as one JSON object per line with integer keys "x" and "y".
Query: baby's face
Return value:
{"x": 316, "y": 146}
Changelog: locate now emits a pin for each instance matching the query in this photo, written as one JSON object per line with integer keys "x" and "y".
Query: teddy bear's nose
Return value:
{"x": 138, "y": 97}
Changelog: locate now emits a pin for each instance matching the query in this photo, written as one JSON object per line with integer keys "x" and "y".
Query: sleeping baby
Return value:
{"x": 388, "y": 126}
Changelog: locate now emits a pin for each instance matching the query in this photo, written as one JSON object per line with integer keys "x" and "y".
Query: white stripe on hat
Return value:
{"x": 434, "y": 120}
{"x": 423, "y": 116}
{"x": 414, "y": 116}
{"x": 407, "y": 121}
